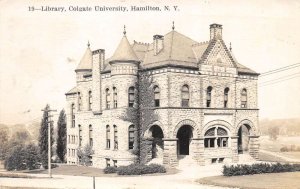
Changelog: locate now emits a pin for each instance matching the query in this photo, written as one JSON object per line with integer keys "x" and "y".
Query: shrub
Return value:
{"x": 109, "y": 170}
{"x": 259, "y": 168}
{"x": 22, "y": 157}
{"x": 284, "y": 149}
{"x": 140, "y": 169}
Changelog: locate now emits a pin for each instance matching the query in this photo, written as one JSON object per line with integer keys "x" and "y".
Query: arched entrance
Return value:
{"x": 184, "y": 135}
{"x": 157, "y": 144}
{"x": 243, "y": 139}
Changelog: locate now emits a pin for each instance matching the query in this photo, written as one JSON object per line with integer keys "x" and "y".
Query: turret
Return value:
{"x": 124, "y": 69}
{"x": 85, "y": 65}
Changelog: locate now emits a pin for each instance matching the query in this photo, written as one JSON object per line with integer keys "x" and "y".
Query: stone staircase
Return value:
{"x": 186, "y": 161}
{"x": 246, "y": 158}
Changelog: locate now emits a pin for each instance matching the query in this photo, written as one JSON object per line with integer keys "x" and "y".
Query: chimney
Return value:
{"x": 158, "y": 43}
{"x": 215, "y": 31}
{"x": 98, "y": 65}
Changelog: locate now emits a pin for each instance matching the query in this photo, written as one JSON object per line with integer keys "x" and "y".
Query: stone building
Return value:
{"x": 169, "y": 99}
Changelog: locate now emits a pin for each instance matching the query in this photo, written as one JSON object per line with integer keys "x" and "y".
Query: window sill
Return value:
{"x": 107, "y": 149}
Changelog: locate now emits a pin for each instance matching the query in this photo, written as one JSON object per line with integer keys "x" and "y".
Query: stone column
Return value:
{"x": 197, "y": 150}
{"x": 170, "y": 152}
{"x": 234, "y": 147}
{"x": 254, "y": 146}
{"x": 146, "y": 150}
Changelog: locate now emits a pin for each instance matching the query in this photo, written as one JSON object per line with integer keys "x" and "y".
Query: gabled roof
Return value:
{"x": 178, "y": 50}
{"x": 86, "y": 62}
{"x": 74, "y": 90}
{"x": 124, "y": 52}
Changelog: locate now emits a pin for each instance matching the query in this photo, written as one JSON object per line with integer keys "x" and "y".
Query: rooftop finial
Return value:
{"x": 88, "y": 44}
{"x": 173, "y": 26}
{"x": 230, "y": 48}
{"x": 124, "y": 32}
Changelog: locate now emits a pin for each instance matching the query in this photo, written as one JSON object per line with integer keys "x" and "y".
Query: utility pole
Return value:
{"x": 49, "y": 123}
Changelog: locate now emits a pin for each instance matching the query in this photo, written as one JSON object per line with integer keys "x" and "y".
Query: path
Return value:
{"x": 183, "y": 179}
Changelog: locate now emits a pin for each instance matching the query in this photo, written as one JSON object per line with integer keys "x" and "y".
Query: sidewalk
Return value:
{"x": 183, "y": 179}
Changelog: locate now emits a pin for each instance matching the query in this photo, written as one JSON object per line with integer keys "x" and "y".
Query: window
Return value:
{"x": 80, "y": 134}
{"x": 244, "y": 98}
{"x": 91, "y": 134}
{"x": 115, "y": 163}
{"x": 226, "y": 91}
{"x": 156, "y": 96}
{"x": 216, "y": 137}
{"x": 185, "y": 96}
{"x": 69, "y": 152}
{"x": 115, "y": 137}
{"x": 69, "y": 139}
{"x": 107, "y": 162}
{"x": 73, "y": 114}
{"x": 131, "y": 96}
{"x": 107, "y": 98}
{"x": 90, "y": 100}
{"x": 208, "y": 96}
{"x": 115, "y": 97}
{"x": 79, "y": 101}
{"x": 131, "y": 137}
{"x": 107, "y": 137}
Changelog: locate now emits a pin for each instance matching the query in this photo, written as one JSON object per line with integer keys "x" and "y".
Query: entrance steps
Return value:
{"x": 186, "y": 161}
{"x": 246, "y": 158}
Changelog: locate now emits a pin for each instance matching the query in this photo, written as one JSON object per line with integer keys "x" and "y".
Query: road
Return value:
{"x": 183, "y": 179}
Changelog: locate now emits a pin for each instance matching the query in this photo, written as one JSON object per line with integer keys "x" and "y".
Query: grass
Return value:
{"x": 15, "y": 175}
{"x": 85, "y": 171}
{"x": 259, "y": 181}
{"x": 274, "y": 146}
{"x": 269, "y": 157}
{"x": 294, "y": 155}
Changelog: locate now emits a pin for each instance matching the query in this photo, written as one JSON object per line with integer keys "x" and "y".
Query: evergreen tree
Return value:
{"x": 43, "y": 138}
{"x": 61, "y": 146}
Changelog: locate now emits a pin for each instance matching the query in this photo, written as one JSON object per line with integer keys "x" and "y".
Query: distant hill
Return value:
{"x": 31, "y": 128}
{"x": 286, "y": 126}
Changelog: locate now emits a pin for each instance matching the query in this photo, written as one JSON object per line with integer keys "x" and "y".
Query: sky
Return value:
{"x": 40, "y": 50}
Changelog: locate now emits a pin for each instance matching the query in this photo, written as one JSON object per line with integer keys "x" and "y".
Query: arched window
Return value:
{"x": 208, "y": 96}
{"x": 216, "y": 137}
{"x": 131, "y": 96}
{"x": 115, "y": 97}
{"x": 226, "y": 91}
{"x": 156, "y": 96}
{"x": 185, "y": 96}
{"x": 90, "y": 100}
{"x": 73, "y": 114}
{"x": 91, "y": 134}
{"x": 80, "y": 135}
{"x": 115, "y": 137}
{"x": 244, "y": 98}
{"x": 131, "y": 137}
{"x": 79, "y": 101}
{"x": 107, "y": 92}
{"x": 107, "y": 137}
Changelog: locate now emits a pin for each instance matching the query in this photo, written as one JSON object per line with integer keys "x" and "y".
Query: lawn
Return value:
{"x": 274, "y": 146}
{"x": 294, "y": 155}
{"x": 85, "y": 171}
{"x": 259, "y": 181}
{"x": 71, "y": 170}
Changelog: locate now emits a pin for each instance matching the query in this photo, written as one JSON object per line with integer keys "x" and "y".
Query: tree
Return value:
{"x": 61, "y": 136}
{"x": 85, "y": 155}
{"x": 22, "y": 157}
{"x": 3, "y": 142}
{"x": 43, "y": 137}
{"x": 273, "y": 133}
